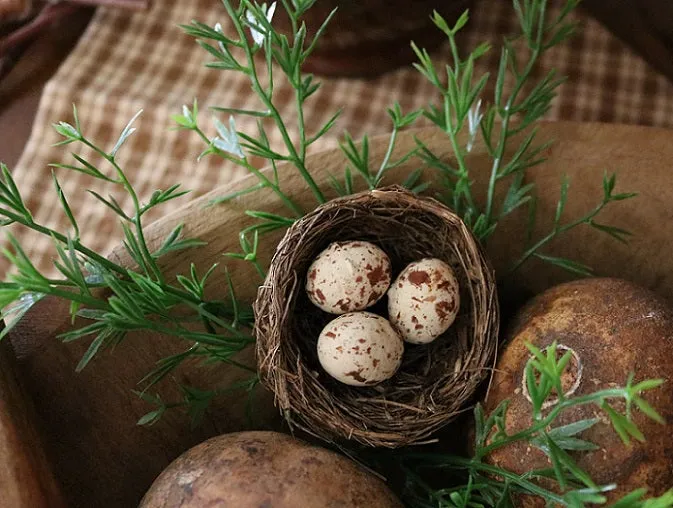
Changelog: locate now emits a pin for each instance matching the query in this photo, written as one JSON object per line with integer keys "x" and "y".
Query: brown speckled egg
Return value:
{"x": 348, "y": 277}
{"x": 360, "y": 349}
{"x": 423, "y": 301}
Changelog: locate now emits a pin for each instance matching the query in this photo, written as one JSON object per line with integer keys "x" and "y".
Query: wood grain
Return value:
{"x": 21, "y": 89}
{"x": 26, "y": 480}
{"x": 646, "y": 25}
{"x": 102, "y": 459}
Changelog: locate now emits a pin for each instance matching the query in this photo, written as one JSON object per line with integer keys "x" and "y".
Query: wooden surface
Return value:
{"x": 646, "y": 25}
{"x": 26, "y": 480}
{"x": 101, "y": 458}
{"x": 87, "y": 419}
{"x": 21, "y": 89}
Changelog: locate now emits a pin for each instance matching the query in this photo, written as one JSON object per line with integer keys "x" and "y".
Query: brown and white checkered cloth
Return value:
{"x": 127, "y": 62}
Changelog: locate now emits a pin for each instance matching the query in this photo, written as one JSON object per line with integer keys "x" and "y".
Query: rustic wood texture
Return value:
{"x": 21, "y": 88}
{"x": 88, "y": 419}
{"x": 646, "y": 25}
{"x": 26, "y": 480}
{"x": 615, "y": 328}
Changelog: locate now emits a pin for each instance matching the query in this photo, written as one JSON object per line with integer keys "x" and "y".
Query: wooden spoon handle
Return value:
{"x": 26, "y": 480}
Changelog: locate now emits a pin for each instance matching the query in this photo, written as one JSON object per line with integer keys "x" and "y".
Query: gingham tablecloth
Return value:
{"x": 127, "y": 62}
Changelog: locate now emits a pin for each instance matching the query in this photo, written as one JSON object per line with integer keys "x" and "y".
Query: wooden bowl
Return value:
{"x": 89, "y": 447}
{"x": 369, "y": 37}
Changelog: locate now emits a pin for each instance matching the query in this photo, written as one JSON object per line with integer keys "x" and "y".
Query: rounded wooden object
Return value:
{"x": 265, "y": 469}
{"x": 370, "y": 37}
{"x": 613, "y": 328}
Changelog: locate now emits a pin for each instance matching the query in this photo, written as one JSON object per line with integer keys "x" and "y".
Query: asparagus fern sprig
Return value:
{"x": 564, "y": 483}
{"x": 111, "y": 298}
{"x": 506, "y": 127}
{"x": 280, "y": 52}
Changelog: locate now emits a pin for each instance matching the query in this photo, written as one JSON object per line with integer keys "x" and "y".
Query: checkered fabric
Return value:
{"x": 127, "y": 62}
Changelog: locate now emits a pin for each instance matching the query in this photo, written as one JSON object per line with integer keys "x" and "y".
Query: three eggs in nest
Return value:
{"x": 361, "y": 348}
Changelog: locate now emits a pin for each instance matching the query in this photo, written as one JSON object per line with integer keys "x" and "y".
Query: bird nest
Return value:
{"x": 435, "y": 380}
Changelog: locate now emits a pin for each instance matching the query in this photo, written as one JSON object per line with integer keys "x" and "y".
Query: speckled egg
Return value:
{"x": 423, "y": 301}
{"x": 360, "y": 349}
{"x": 348, "y": 277}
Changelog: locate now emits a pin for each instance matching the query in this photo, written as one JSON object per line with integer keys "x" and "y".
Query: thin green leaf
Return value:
{"x": 327, "y": 126}
{"x": 152, "y": 417}
{"x": 565, "y": 184}
{"x": 649, "y": 411}
{"x": 234, "y": 195}
{"x": 648, "y": 384}
{"x": 566, "y": 264}
{"x": 615, "y": 232}
{"x": 569, "y": 464}
{"x": 93, "y": 349}
{"x": 572, "y": 429}
{"x": 246, "y": 112}
{"x": 65, "y": 205}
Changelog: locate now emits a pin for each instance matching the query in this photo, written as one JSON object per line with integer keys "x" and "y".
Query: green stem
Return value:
{"x": 257, "y": 88}
{"x": 138, "y": 210}
{"x": 462, "y": 166}
{"x": 550, "y": 418}
{"x": 67, "y": 283}
{"x": 240, "y": 366}
{"x": 212, "y": 317}
{"x": 76, "y": 297}
{"x": 388, "y": 155}
{"x": 259, "y": 269}
{"x": 29, "y": 223}
{"x": 552, "y": 235}
{"x": 294, "y": 207}
{"x": 300, "y": 120}
{"x": 507, "y": 116}
{"x": 290, "y": 14}
{"x": 184, "y": 333}
{"x": 103, "y": 261}
{"x": 504, "y": 137}
{"x": 471, "y": 464}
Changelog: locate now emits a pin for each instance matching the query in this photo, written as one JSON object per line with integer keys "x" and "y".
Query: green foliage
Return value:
{"x": 487, "y": 485}
{"x": 133, "y": 299}
{"x": 507, "y": 126}
{"x": 281, "y": 52}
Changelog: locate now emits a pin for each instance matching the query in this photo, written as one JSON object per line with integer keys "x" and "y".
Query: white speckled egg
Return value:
{"x": 348, "y": 277}
{"x": 360, "y": 349}
{"x": 423, "y": 301}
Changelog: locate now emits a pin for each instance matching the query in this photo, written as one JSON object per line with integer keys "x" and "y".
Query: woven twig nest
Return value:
{"x": 435, "y": 380}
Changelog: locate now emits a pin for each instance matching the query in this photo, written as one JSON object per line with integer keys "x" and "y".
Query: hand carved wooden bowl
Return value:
{"x": 369, "y": 37}
{"x": 70, "y": 439}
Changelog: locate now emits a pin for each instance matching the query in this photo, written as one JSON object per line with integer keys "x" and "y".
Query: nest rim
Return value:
{"x": 433, "y": 384}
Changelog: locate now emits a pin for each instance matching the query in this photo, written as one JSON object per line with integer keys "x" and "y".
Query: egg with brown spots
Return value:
{"x": 348, "y": 277}
{"x": 423, "y": 301}
{"x": 360, "y": 349}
